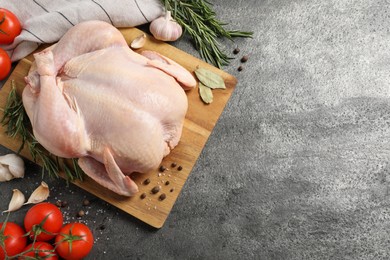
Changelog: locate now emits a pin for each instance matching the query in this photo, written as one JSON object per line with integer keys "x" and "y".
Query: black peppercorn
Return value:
{"x": 244, "y": 58}
{"x": 162, "y": 196}
{"x": 147, "y": 181}
{"x": 80, "y": 213}
{"x": 236, "y": 50}
{"x": 143, "y": 195}
{"x": 156, "y": 189}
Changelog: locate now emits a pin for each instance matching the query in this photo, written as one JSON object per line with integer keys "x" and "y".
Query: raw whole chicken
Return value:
{"x": 91, "y": 97}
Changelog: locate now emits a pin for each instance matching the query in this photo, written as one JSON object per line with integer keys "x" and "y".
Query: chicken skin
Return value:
{"x": 91, "y": 97}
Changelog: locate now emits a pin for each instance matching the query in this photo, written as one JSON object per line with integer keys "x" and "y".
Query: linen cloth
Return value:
{"x": 45, "y": 21}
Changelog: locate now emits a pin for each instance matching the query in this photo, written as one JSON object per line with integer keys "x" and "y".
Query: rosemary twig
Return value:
{"x": 199, "y": 20}
{"x": 74, "y": 173}
{"x": 18, "y": 125}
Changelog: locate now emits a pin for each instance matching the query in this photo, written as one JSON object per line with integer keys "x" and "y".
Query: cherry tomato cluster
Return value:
{"x": 45, "y": 236}
{"x": 10, "y": 28}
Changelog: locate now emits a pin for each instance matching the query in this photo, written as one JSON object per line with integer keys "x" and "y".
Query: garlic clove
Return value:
{"x": 138, "y": 42}
{"x": 5, "y": 174}
{"x": 14, "y": 163}
{"x": 16, "y": 202}
{"x": 39, "y": 194}
{"x": 165, "y": 28}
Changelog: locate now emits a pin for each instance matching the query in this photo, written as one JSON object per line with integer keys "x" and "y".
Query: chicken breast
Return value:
{"x": 91, "y": 97}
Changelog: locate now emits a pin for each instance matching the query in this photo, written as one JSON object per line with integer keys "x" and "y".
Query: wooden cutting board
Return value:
{"x": 200, "y": 121}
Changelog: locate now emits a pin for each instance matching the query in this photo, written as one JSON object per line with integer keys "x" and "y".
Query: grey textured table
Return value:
{"x": 297, "y": 166}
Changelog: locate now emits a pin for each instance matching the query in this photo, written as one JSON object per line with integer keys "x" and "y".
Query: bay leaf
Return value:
{"x": 209, "y": 78}
{"x": 205, "y": 93}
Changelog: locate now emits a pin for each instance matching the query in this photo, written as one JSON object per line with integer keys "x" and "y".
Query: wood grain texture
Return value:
{"x": 200, "y": 121}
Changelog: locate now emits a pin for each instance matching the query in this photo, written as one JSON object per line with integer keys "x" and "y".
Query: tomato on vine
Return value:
{"x": 39, "y": 250}
{"x": 74, "y": 241}
{"x": 44, "y": 221}
{"x": 12, "y": 239}
{"x": 5, "y": 64}
{"x": 10, "y": 26}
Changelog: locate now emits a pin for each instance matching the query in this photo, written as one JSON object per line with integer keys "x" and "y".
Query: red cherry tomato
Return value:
{"x": 5, "y": 64}
{"x": 9, "y": 26}
{"x": 13, "y": 238}
{"x": 39, "y": 250}
{"x": 74, "y": 241}
{"x": 43, "y": 220}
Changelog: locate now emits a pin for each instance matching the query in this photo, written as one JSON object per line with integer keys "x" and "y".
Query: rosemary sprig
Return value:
{"x": 19, "y": 125}
{"x": 199, "y": 20}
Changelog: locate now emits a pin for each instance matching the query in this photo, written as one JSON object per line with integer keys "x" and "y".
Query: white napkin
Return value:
{"x": 45, "y": 21}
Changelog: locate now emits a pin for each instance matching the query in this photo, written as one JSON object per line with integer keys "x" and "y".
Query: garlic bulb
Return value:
{"x": 165, "y": 28}
{"x": 11, "y": 166}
